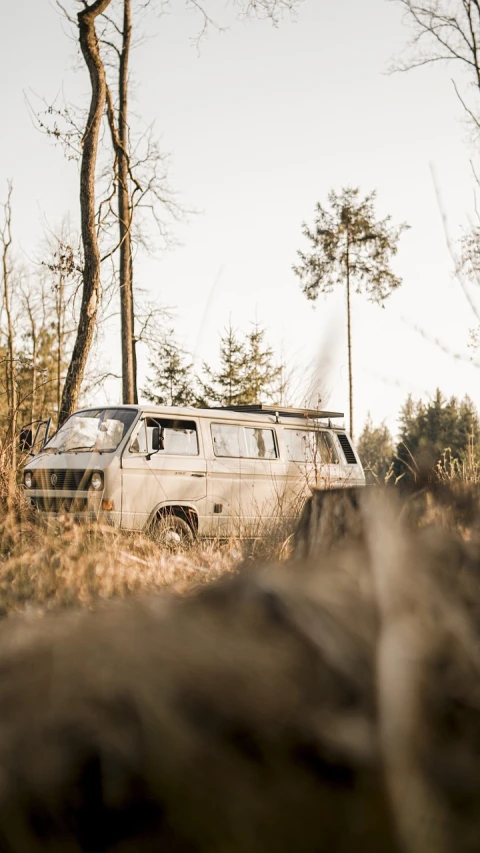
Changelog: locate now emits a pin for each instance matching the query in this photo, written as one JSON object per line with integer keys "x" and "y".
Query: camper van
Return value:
{"x": 183, "y": 472}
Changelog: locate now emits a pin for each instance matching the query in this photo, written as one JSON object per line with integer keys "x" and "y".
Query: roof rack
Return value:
{"x": 287, "y": 412}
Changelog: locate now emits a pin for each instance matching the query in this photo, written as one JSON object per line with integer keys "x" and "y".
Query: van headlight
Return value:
{"x": 28, "y": 479}
{"x": 96, "y": 481}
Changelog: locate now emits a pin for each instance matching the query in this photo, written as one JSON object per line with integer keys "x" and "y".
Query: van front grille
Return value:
{"x": 65, "y": 479}
{"x": 45, "y": 503}
{"x": 347, "y": 449}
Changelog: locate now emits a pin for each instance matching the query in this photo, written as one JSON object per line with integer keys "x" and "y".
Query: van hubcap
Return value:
{"x": 171, "y": 537}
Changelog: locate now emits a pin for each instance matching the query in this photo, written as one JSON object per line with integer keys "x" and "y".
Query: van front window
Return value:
{"x": 99, "y": 430}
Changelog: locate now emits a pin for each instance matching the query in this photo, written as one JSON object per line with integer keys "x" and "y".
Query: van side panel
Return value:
{"x": 230, "y": 483}
{"x": 270, "y": 484}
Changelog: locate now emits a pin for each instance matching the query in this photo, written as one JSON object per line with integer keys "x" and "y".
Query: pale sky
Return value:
{"x": 261, "y": 124}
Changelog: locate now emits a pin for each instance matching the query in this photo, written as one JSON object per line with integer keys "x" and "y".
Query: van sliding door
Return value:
{"x": 230, "y": 482}
{"x": 246, "y": 479}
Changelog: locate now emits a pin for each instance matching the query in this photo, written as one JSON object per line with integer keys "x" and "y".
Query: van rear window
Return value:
{"x": 243, "y": 442}
{"x": 310, "y": 446}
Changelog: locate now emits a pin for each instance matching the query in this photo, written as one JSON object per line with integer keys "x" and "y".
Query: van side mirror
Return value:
{"x": 158, "y": 442}
{"x": 156, "y": 439}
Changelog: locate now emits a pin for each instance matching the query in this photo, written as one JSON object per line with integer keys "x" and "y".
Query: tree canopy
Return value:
{"x": 429, "y": 430}
{"x": 376, "y": 449}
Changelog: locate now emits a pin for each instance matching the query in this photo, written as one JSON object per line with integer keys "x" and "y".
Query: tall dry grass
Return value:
{"x": 54, "y": 564}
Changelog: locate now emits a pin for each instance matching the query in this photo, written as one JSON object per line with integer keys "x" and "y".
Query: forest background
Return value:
{"x": 254, "y": 149}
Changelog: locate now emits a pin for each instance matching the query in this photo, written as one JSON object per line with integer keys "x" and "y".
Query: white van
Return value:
{"x": 185, "y": 471}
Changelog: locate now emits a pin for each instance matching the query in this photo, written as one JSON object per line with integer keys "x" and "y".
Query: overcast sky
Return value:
{"x": 261, "y": 124}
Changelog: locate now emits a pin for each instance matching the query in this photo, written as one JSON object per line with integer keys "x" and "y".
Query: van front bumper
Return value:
{"x": 80, "y": 506}
{"x": 87, "y": 516}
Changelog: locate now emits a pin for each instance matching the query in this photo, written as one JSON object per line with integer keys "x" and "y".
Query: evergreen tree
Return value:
{"x": 172, "y": 383}
{"x": 248, "y": 371}
{"x": 262, "y": 377}
{"x": 349, "y": 247}
{"x": 226, "y": 387}
{"x": 376, "y": 450}
{"x": 428, "y": 430}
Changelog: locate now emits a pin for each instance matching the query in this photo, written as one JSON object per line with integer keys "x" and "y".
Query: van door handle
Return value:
{"x": 197, "y": 475}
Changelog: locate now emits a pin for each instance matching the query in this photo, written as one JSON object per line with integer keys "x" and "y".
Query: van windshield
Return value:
{"x": 99, "y": 430}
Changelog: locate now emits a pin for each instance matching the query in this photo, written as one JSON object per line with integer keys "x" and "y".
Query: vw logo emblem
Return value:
{"x": 54, "y": 479}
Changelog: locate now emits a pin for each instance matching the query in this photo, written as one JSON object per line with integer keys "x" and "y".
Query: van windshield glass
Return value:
{"x": 99, "y": 430}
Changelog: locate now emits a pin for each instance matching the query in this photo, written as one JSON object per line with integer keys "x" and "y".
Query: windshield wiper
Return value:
{"x": 79, "y": 448}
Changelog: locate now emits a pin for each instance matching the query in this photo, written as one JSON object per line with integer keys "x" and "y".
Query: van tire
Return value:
{"x": 172, "y": 532}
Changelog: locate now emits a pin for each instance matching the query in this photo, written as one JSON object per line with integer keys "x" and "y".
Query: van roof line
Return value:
{"x": 271, "y": 412}
{"x": 287, "y": 412}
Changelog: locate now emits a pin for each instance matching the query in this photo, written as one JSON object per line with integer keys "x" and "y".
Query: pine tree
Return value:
{"x": 172, "y": 383}
{"x": 262, "y": 376}
{"x": 226, "y": 387}
{"x": 349, "y": 247}
{"x": 376, "y": 450}
{"x": 427, "y": 431}
{"x": 248, "y": 371}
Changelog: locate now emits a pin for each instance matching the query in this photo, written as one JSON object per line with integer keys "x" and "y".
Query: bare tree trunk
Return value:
{"x": 119, "y": 133}
{"x": 91, "y": 272}
{"x": 134, "y": 346}
{"x": 33, "y": 329}
{"x": 11, "y": 366}
{"x": 349, "y": 337}
{"x": 125, "y": 218}
{"x": 60, "y": 334}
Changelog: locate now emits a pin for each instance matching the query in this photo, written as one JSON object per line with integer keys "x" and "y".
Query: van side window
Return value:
{"x": 226, "y": 440}
{"x": 139, "y": 443}
{"x": 179, "y": 437}
{"x": 300, "y": 445}
{"x": 260, "y": 443}
{"x": 310, "y": 446}
{"x": 243, "y": 442}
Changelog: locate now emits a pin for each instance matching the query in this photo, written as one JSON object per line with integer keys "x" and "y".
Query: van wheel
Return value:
{"x": 172, "y": 533}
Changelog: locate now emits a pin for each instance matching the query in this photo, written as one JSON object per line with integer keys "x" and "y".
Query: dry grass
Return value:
{"x": 47, "y": 565}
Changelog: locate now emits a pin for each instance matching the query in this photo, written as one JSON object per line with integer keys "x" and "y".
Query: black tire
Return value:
{"x": 172, "y": 533}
